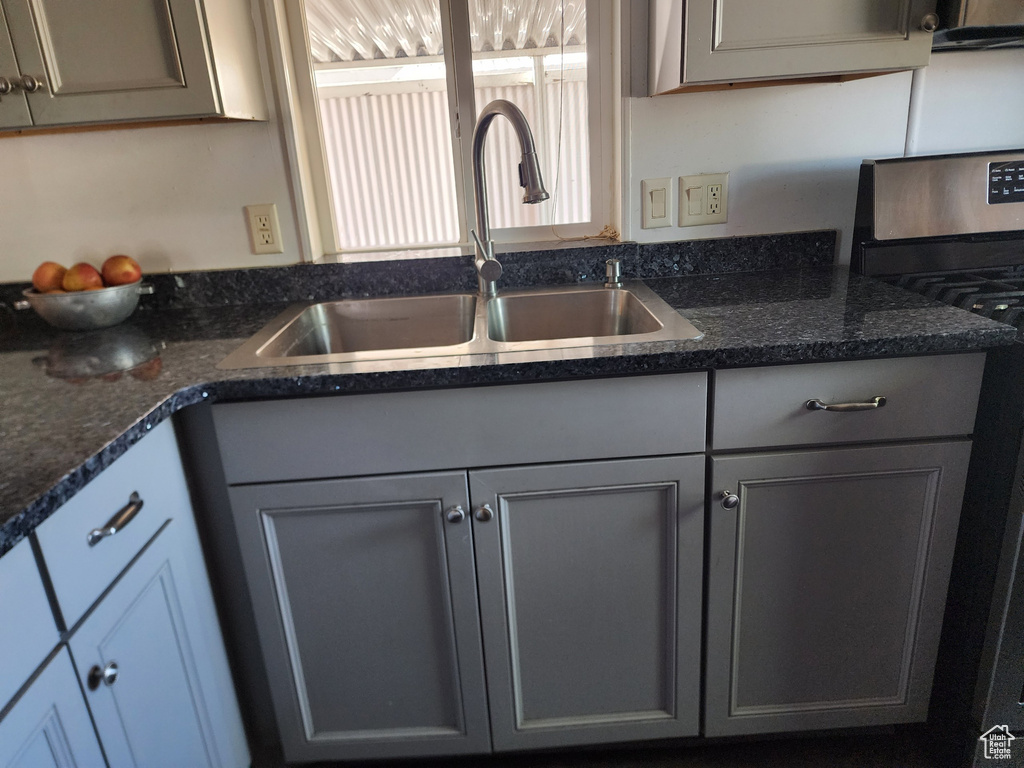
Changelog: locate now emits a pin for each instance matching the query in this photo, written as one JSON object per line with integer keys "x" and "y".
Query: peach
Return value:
{"x": 48, "y": 276}
{"x": 82, "y": 277}
{"x": 121, "y": 269}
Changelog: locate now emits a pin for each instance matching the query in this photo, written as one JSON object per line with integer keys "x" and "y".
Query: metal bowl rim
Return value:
{"x": 32, "y": 293}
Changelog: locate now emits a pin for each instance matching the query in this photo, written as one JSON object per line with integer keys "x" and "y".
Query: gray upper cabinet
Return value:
{"x": 113, "y": 61}
{"x": 365, "y": 600}
{"x": 13, "y": 105}
{"x": 707, "y": 42}
{"x": 590, "y": 594}
{"x": 827, "y": 585}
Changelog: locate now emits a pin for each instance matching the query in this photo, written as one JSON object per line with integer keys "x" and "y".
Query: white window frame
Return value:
{"x": 298, "y": 108}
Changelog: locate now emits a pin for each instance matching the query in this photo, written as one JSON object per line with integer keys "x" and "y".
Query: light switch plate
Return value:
{"x": 703, "y": 199}
{"x": 657, "y": 199}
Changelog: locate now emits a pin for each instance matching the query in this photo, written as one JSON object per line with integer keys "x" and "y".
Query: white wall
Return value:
{"x": 793, "y": 152}
{"x": 170, "y": 196}
{"x": 173, "y": 196}
{"x": 968, "y": 101}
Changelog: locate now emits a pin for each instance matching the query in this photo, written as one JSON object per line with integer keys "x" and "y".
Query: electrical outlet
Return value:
{"x": 656, "y": 209}
{"x": 264, "y": 229}
{"x": 714, "y": 199}
{"x": 703, "y": 199}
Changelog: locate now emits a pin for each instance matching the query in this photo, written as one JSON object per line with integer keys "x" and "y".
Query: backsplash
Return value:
{"x": 568, "y": 263}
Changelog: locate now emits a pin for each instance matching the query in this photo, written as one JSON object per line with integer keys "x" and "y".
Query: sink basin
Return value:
{"x": 371, "y": 324}
{"x": 537, "y": 319}
{"x": 360, "y": 329}
{"x": 591, "y": 313}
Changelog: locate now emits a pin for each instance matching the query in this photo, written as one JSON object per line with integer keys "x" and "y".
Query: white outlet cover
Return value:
{"x": 657, "y": 198}
{"x": 702, "y": 182}
{"x": 264, "y": 239}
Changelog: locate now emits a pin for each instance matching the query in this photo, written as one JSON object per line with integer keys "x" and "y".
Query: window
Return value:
{"x": 388, "y": 110}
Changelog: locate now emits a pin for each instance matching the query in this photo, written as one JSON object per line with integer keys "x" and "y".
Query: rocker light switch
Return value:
{"x": 657, "y": 202}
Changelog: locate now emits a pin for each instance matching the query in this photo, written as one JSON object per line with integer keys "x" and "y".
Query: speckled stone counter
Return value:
{"x": 64, "y": 418}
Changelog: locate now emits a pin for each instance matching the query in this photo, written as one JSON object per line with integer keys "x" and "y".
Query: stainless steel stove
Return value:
{"x": 952, "y": 228}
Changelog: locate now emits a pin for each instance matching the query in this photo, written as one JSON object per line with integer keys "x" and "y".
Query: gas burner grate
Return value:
{"x": 996, "y": 292}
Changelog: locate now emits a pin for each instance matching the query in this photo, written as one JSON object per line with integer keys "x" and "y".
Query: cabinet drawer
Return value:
{"x": 27, "y": 630}
{"x": 80, "y": 571}
{"x": 924, "y": 397}
{"x": 456, "y": 428}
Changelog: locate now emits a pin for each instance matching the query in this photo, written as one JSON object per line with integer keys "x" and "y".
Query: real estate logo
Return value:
{"x": 997, "y": 742}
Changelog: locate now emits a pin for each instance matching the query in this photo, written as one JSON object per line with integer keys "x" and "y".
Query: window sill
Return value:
{"x": 361, "y": 257}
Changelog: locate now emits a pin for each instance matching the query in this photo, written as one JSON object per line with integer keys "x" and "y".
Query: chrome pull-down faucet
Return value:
{"x": 488, "y": 268}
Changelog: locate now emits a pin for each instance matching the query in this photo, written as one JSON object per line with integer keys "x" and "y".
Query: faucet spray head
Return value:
{"x": 530, "y": 179}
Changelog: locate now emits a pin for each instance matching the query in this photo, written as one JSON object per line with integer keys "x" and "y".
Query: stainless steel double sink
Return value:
{"x": 357, "y": 330}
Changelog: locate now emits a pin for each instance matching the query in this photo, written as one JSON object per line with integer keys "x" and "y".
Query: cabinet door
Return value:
{"x": 827, "y": 584}
{"x": 590, "y": 594}
{"x": 753, "y": 40}
{"x": 365, "y": 600}
{"x": 109, "y": 60}
{"x": 49, "y": 725}
{"x": 13, "y": 106}
{"x": 171, "y": 702}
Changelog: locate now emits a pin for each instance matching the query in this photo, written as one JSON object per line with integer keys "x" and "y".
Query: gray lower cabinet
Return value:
{"x": 366, "y": 605}
{"x": 827, "y": 584}
{"x": 49, "y": 725}
{"x": 590, "y": 594}
{"x": 150, "y": 660}
{"x": 365, "y": 596}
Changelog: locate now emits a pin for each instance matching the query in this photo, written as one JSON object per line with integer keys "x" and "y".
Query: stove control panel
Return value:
{"x": 1006, "y": 182}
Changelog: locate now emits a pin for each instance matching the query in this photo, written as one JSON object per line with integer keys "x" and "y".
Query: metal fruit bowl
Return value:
{"x": 85, "y": 310}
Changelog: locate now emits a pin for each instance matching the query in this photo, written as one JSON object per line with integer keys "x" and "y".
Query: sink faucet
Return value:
{"x": 488, "y": 268}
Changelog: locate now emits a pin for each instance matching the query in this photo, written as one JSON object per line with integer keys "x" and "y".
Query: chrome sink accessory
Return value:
{"x": 487, "y": 267}
{"x": 445, "y": 325}
{"x": 613, "y": 273}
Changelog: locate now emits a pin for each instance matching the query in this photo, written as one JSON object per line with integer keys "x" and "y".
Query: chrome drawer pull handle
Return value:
{"x": 124, "y": 516}
{"x": 817, "y": 405}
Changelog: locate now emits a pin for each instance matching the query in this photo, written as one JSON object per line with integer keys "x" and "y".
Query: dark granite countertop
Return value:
{"x": 64, "y": 418}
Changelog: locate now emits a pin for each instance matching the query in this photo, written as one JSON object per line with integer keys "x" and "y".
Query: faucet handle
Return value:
{"x": 488, "y": 267}
{"x": 479, "y": 245}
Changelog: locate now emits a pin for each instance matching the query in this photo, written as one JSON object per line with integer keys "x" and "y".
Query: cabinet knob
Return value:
{"x": 484, "y": 513}
{"x": 28, "y": 83}
{"x": 729, "y": 499}
{"x": 455, "y": 514}
{"x": 106, "y": 675}
{"x": 6, "y": 86}
{"x": 930, "y": 22}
